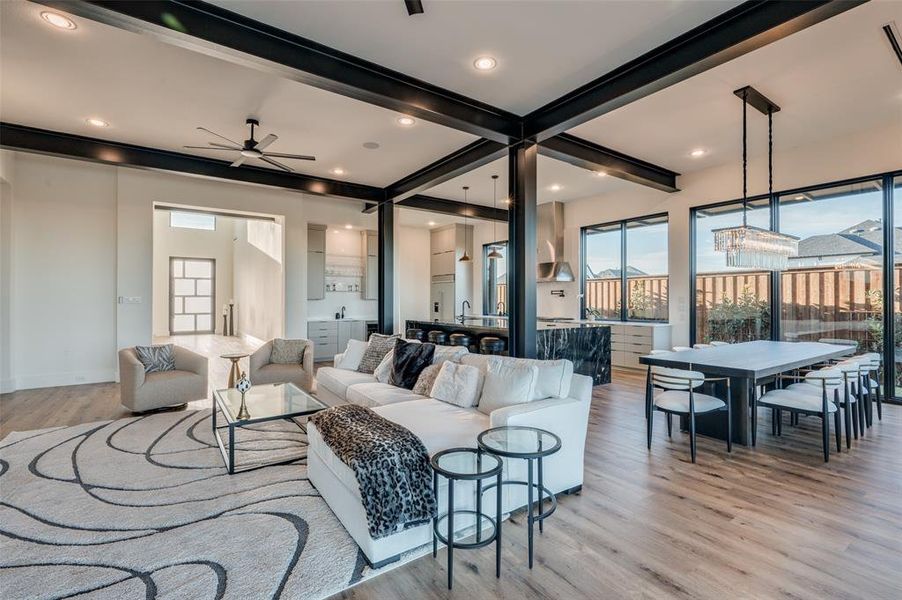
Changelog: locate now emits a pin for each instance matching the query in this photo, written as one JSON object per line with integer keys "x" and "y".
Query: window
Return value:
{"x": 494, "y": 285}
{"x": 895, "y": 306}
{"x": 192, "y": 220}
{"x": 624, "y": 270}
{"x": 731, "y": 305}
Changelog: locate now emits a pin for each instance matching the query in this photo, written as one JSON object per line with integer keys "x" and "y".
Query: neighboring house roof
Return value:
{"x": 631, "y": 271}
{"x": 864, "y": 238}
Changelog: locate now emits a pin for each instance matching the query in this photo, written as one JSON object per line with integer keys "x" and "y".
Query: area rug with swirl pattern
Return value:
{"x": 144, "y": 508}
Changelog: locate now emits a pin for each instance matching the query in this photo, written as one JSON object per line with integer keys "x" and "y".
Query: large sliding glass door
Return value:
{"x": 894, "y": 304}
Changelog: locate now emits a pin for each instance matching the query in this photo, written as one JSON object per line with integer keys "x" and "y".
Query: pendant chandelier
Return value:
{"x": 494, "y": 254}
{"x": 747, "y": 246}
{"x": 465, "y": 257}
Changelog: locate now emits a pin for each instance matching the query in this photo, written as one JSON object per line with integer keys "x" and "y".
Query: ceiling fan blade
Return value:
{"x": 295, "y": 156}
{"x": 219, "y": 136}
{"x": 277, "y": 164}
{"x": 266, "y": 141}
{"x": 214, "y": 148}
{"x": 224, "y": 146}
{"x": 239, "y": 162}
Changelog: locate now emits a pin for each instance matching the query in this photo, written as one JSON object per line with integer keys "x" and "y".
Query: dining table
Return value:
{"x": 747, "y": 365}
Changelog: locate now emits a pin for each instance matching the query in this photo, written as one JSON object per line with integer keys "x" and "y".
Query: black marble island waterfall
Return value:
{"x": 587, "y": 345}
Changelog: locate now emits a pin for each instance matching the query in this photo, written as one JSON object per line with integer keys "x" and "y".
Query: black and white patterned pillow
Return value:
{"x": 287, "y": 352}
{"x": 156, "y": 358}
{"x": 378, "y": 347}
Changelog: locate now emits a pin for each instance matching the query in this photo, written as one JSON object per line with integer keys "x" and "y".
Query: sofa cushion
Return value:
{"x": 350, "y": 358}
{"x": 379, "y": 345}
{"x": 408, "y": 361}
{"x": 426, "y": 379}
{"x": 482, "y": 362}
{"x": 440, "y": 425}
{"x": 382, "y": 373}
{"x": 554, "y": 376}
{"x": 378, "y": 394}
{"x": 457, "y": 384}
{"x": 453, "y": 353}
{"x": 337, "y": 380}
{"x": 507, "y": 383}
{"x": 287, "y": 352}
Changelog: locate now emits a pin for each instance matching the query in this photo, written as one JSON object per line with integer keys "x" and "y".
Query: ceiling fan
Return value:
{"x": 252, "y": 148}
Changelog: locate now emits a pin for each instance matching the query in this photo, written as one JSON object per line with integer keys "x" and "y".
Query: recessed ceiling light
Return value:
{"x": 600, "y": 174}
{"x": 431, "y": 223}
{"x": 349, "y": 226}
{"x": 338, "y": 171}
{"x": 334, "y": 231}
{"x": 698, "y": 153}
{"x": 800, "y": 197}
{"x": 406, "y": 121}
{"x": 555, "y": 187}
{"x": 58, "y": 20}
{"x": 485, "y": 63}
{"x": 371, "y": 145}
{"x": 97, "y": 122}
{"x": 507, "y": 200}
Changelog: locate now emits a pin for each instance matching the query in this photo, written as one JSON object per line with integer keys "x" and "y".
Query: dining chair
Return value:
{"x": 870, "y": 363}
{"x": 815, "y": 394}
{"x": 700, "y": 346}
{"x": 681, "y": 348}
{"x": 847, "y": 400}
{"x": 678, "y": 397}
{"x": 716, "y": 343}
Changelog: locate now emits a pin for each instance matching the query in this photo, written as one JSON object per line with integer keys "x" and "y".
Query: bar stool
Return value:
{"x": 416, "y": 334}
{"x": 438, "y": 337}
{"x": 461, "y": 339}
{"x": 491, "y": 345}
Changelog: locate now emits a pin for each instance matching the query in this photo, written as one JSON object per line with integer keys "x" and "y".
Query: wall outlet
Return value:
{"x": 129, "y": 299}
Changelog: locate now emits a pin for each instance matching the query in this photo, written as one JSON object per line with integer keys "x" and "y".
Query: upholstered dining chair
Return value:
{"x": 870, "y": 363}
{"x": 716, "y": 343}
{"x": 700, "y": 346}
{"x": 677, "y": 395}
{"x": 263, "y": 370}
{"x": 681, "y": 348}
{"x": 814, "y": 394}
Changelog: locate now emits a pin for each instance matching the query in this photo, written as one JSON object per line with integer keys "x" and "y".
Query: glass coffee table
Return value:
{"x": 532, "y": 445}
{"x": 263, "y": 403}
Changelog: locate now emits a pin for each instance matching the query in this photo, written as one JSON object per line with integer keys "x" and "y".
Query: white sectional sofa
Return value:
{"x": 441, "y": 426}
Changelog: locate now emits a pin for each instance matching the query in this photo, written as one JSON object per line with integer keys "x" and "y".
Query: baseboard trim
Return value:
{"x": 30, "y": 382}
{"x": 7, "y": 386}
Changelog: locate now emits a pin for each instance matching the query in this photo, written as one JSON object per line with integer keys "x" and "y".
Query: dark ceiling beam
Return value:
{"x": 591, "y": 156}
{"x": 738, "y": 31}
{"x": 42, "y": 141}
{"x": 227, "y": 35}
{"x": 471, "y": 156}
{"x": 447, "y": 207}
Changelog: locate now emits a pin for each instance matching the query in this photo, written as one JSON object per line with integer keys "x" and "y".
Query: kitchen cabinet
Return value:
{"x": 369, "y": 242}
{"x": 629, "y": 341}
{"x": 316, "y": 262}
{"x": 331, "y": 337}
{"x": 451, "y": 280}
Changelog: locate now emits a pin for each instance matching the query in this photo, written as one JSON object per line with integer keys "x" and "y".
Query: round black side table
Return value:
{"x": 466, "y": 464}
{"x": 531, "y": 444}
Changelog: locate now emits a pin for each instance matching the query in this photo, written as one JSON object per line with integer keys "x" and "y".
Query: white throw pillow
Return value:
{"x": 383, "y": 371}
{"x": 507, "y": 383}
{"x": 554, "y": 376}
{"x": 452, "y": 353}
{"x": 350, "y": 360}
{"x": 457, "y": 384}
{"x": 481, "y": 362}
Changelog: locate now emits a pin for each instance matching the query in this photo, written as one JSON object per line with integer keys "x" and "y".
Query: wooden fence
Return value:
{"x": 646, "y": 296}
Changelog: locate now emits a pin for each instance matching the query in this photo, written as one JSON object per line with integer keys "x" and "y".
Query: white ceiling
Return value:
{"x": 544, "y": 48}
{"x": 830, "y": 80}
{"x": 155, "y": 94}
{"x": 575, "y": 183}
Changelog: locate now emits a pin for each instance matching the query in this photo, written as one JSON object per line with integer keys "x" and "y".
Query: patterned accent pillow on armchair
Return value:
{"x": 156, "y": 358}
{"x": 287, "y": 352}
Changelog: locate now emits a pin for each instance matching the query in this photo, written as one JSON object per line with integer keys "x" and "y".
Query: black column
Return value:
{"x": 522, "y": 250}
{"x": 386, "y": 260}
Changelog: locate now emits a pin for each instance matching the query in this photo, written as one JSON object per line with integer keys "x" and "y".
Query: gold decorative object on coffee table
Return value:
{"x": 243, "y": 385}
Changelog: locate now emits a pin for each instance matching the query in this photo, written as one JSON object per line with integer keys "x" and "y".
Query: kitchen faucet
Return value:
{"x": 342, "y": 312}
{"x": 462, "y": 311}
{"x": 499, "y": 308}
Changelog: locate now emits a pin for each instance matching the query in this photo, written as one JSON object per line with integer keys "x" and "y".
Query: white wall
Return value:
{"x": 82, "y": 235}
{"x": 6, "y": 247}
{"x": 63, "y": 273}
{"x": 412, "y": 246}
{"x": 866, "y": 153}
{"x": 257, "y": 279}
{"x": 191, "y": 243}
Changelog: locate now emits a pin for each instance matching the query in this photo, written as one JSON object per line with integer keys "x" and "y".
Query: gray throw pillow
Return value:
{"x": 379, "y": 346}
{"x": 156, "y": 358}
{"x": 423, "y": 386}
{"x": 287, "y": 352}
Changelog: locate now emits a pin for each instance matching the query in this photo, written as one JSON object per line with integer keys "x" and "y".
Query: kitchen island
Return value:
{"x": 586, "y": 344}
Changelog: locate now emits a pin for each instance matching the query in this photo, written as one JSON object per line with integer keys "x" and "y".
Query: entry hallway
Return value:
{"x": 773, "y": 522}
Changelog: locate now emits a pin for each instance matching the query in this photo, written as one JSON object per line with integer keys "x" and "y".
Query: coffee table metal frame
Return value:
{"x": 539, "y": 486}
{"x": 452, "y": 476}
{"x": 228, "y": 455}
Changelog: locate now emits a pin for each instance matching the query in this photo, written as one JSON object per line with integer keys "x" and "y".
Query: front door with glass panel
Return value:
{"x": 191, "y": 302}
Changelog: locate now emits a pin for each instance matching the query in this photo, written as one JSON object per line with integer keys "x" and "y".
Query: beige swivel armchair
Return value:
{"x": 140, "y": 391}
{"x": 263, "y": 371}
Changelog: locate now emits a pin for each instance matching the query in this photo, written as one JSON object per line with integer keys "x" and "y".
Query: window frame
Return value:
{"x": 623, "y": 224}
{"x": 192, "y": 212}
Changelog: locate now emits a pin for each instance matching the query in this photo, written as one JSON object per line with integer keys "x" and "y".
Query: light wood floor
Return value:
{"x": 773, "y": 522}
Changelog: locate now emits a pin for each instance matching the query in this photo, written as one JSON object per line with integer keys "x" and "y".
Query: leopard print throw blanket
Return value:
{"x": 390, "y": 463}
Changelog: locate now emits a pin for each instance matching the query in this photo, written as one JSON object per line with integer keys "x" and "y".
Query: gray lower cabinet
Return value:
{"x": 331, "y": 337}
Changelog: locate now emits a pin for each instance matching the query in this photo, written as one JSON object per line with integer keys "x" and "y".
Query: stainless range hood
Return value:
{"x": 550, "y": 241}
